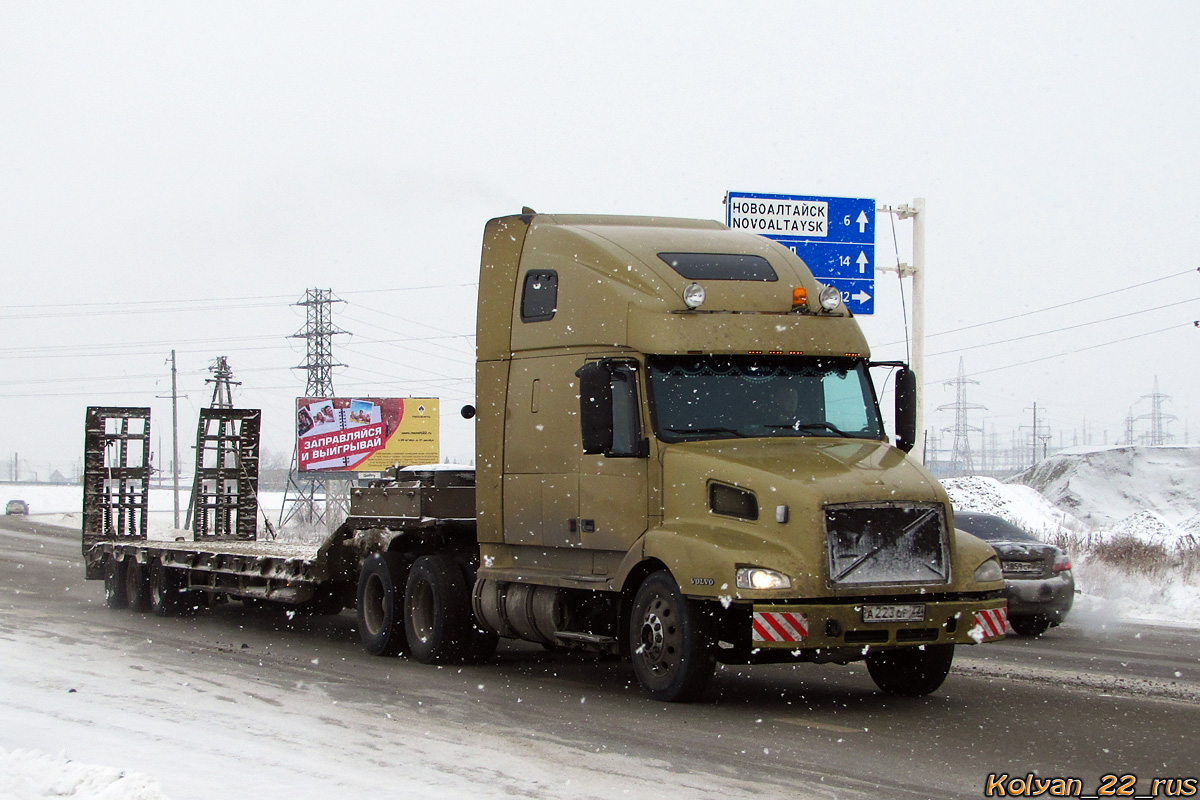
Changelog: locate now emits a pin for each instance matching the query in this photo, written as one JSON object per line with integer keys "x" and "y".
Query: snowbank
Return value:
{"x": 1102, "y": 486}
{"x": 32, "y": 774}
{"x": 1020, "y": 505}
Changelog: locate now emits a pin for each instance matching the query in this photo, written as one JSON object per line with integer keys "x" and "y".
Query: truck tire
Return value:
{"x": 166, "y": 590}
{"x": 115, "y": 594}
{"x": 671, "y": 641}
{"x": 380, "y": 605}
{"x": 437, "y": 611}
{"x": 911, "y": 671}
{"x": 137, "y": 586}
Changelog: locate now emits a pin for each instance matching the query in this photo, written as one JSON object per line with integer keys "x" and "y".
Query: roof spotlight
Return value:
{"x": 831, "y": 297}
{"x": 693, "y": 295}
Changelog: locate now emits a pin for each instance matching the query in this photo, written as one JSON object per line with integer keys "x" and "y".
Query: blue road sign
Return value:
{"x": 834, "y": 236}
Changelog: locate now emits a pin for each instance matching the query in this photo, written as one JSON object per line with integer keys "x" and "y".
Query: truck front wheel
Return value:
{"x": 671, "y": 641}
{"x": 437, "y": 608}
{"x": 910, "y": 671}
{"x": 380, "y": 604}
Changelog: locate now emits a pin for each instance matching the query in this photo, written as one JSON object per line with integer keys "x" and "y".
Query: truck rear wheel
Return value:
{"x": 380, "y": 605}
{"x": 166, "y": 590}
{"x": 115, "y": 595}
{"x": 912, "y": 671}
{"x": 671, "y": 641}
{"x": 137, "y": 586}
{"x": 437, "y": 611}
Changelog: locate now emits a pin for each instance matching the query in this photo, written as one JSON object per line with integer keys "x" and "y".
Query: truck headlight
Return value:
{"x": 760, "y": 578}
{"x": 989, "y": 571}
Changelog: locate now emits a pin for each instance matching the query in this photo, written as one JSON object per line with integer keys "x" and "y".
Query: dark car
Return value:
{"x": 16, "y": 507}
{"x": 1037, "y": 575}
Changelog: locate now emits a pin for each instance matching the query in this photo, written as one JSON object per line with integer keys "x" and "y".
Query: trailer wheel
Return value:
{"x": 380, "y": 605}
{"x": 137, "y": 586}
{"x": 115, "y": 594}
{"x": 911, "y": 671}
{"x": 437, "y": 611}
{"x": 166, "y": 590}
{"x": 671, "y": 642}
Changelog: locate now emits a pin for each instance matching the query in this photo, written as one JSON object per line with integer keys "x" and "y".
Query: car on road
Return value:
{"x": 16, "y": 507}
{"x": 1037, "y": 575}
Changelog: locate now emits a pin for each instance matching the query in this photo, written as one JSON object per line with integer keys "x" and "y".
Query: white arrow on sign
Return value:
{"x": 862, "y": 221}
{"x": 862, "y": 261}
{"x": 861, "y": 296}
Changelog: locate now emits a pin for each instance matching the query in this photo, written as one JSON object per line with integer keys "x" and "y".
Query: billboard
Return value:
{"x": 369, "y": 434}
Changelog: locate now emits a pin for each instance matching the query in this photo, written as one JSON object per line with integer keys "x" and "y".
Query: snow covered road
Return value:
{"x": 238, "y": 703}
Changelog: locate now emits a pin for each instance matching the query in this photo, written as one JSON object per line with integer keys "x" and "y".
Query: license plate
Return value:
{"x": 1023, "y": 567}
{"x": 896, "y": 612}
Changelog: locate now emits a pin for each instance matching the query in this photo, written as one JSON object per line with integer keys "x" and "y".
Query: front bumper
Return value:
{"x": 805, "y": 626}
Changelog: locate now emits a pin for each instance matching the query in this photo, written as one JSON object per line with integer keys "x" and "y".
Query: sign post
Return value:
{"x": 834, "y": 236}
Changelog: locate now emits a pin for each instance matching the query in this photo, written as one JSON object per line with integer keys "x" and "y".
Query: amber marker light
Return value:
{"x": 799, "y": 298}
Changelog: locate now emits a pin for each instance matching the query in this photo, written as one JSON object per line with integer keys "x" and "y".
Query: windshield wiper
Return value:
{"x": 734, "y": 431}
{"x": 816, "y": 426}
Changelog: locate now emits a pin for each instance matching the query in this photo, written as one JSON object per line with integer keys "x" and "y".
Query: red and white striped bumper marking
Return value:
{"x": 780, "y": 626}
{"x": 992, "y": 623}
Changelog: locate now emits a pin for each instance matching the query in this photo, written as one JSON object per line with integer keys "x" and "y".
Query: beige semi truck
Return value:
{"x": 680, "y": 460}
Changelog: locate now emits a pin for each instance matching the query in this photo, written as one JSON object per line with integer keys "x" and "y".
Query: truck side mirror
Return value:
{"x": 906, "y": 409}
{"x": 596, "y": 407}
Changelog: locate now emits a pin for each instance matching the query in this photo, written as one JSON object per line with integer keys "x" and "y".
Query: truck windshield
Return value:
{"x": 721, "y": 397}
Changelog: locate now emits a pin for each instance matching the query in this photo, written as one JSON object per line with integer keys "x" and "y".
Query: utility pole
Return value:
{"x": 960, "y": 459}
{"x": 174, "y": 434}
{"x": 175, "y": 437}
{"x": 1033, "y": 436}
{"x": 222, "y": 382}
{"x": 1158, "y": 435}
{"x": 318, "y": 334}
{"x": 222, "y": 397}
{"x": 916, "y": 271}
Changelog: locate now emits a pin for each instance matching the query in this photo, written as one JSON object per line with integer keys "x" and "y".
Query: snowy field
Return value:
{"x": 39, "y": 670}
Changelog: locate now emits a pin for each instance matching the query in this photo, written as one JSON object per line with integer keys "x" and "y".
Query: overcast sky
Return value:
{"x": 175, "y": 176}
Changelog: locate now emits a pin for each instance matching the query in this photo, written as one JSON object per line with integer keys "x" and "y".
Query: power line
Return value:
{"x": 1067, "y": 328}
{"x": 136, "y": 306}
{"x": 1080, "y": 350}
{"x": 1108, "y": 294}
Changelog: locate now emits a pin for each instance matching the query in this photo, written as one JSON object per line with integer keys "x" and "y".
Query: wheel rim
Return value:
{"x": 374, "y": 615}
{"x": 660, "y": 637}
{"x": 422, "y": 610}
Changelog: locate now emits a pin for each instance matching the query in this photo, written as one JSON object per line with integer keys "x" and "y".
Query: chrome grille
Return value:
{"x": 887, "y": 543}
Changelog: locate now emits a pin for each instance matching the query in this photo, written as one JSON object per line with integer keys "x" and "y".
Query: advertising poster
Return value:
{"x": 370, "y": 434}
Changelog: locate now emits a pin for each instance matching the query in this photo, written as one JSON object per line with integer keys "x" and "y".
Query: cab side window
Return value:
{"x": 539, "y": 295}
